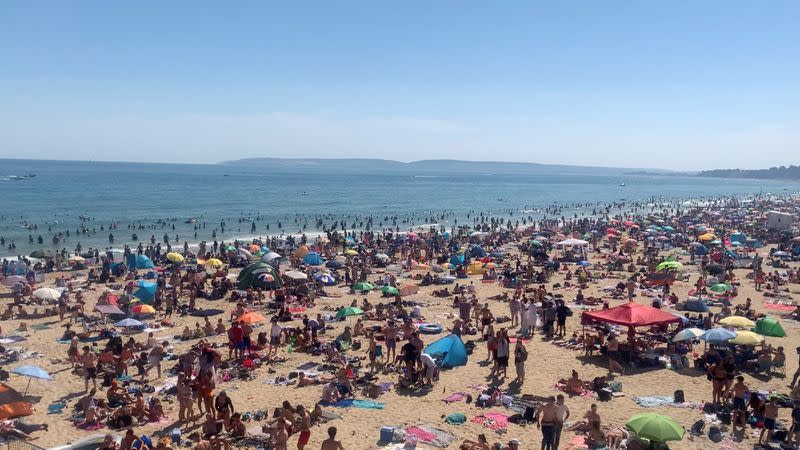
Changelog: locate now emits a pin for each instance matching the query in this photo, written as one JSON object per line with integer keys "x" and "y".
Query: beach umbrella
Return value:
{"x": 349, "y": 311}
{"x": 769, "y": 327}
{"x": 32, "y": 372}
{"x": 408, "y": 289}
{"x": 175, "y": 257}
{"x": 250, "y": 317}
{"x": 706, "y": 237}
{"x": 687, "y": 334}
{"x": 13, "y": 280}
{"x": 271, "y": 256}
{"x": 720, "y": 287}
{"x": 390, "y": 290}
{"x": 382, "y": 257}
{"x": 747, "y": 338}
{"x": 737, "y": 321}
{"x": 351, "y": 252}
{"x": 76, "y": 259}
{"x": 214, "y": 262}
{"x": 584, "y": 263}
{"x": 295, "y": 275}
{"x": 108, "y": 309}
{"x": 129, "y": 323}
{"x": 325, "y": 278}
{"x": 244, "y": 252}
{"x": 655, "y": 427}
{"x": 718, "y": 335}
{"x": 670, "y": 265}
{"x": 363, "y": 287}
{"x": 41, "y": 254}
{"x": 333, "y": 264}
{"x": 141, "y": 308}
{"x": 47, "y": 294}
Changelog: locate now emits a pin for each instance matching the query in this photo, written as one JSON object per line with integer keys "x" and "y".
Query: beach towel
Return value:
{"x": 653, "y": 402}
{"x": 513, "y": 340}
{"x": 456, "y": 418}
{"x": 363, "y": 404}
{"x": 89, "y": 427}
{"x": 432, "y": 436}
{"x": 455, "y": 397}
{"x": 779, "y": 307}
{"x": 493, "y": 421}
{"x": 55, "y": 408}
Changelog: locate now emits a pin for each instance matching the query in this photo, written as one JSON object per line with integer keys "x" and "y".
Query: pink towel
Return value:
{"x": 455, "y": 397}
{"x": 493, "y": 421}
{"x": 421, "y": 434}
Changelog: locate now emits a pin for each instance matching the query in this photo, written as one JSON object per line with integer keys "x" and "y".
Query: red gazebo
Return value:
{"x": 631, "y": 315}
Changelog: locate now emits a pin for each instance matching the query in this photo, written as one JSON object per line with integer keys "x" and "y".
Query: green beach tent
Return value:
{"x": 769, "y": 327}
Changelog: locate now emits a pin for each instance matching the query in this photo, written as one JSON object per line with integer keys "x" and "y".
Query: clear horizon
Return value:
{"x": 684, "y": 87}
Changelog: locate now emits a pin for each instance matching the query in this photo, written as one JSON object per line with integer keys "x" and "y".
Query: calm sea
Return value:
{"x": 131, "y": 193}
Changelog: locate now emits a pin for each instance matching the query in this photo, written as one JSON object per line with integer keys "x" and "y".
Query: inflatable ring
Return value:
{"x": 430, "y": 328}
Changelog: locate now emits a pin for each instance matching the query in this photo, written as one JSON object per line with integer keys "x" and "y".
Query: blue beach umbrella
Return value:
{"x": 718, "y": 335}
{"x": 325, "y": 279}
{"x": 584, "y": 263}
{"x": 32, "y": 372}
{"x": 129, "y": 323}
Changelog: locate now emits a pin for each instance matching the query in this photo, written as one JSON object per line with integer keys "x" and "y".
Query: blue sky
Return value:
{"x": 681, "y": 85}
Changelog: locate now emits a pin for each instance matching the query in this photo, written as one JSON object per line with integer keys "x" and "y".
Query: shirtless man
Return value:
{"x": 155, "y": 356}
{"x": 331, "y": 443}
{"x": 739, "y": 405}
{"x": 199, "y": 444}
{"x": 547, "y": 420}
{"x": 304, "y": 427}
{"x": 770, "y": 416}
{"x": 130, "y": 439}
{"x": 281, "y": 436}
{"x": 390, "y": 333}
{"x": 89, "y": 361}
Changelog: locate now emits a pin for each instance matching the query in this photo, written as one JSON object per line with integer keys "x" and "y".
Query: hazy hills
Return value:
{"x": 366, "y": 165}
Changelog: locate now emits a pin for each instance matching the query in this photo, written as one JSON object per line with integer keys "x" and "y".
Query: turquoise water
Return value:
{"x": 131, "y": 193}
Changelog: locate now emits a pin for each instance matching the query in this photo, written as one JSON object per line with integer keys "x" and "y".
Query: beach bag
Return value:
{"x": 714, "y": 434}
{"x": 604, "y": 395}
{"x": 679, "y": 396}
{"x": 697, "y": 428}
{"x": 724, "y": 415}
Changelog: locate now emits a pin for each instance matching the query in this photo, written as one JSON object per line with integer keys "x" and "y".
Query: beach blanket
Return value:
{"x": 584, "y": 393}
{"x": 89, "y": 427}
{"x": 456, "y": 418}
{"x": 493, "y": 421}
{"x": 431, "y": 435}
{"x": 455, "y": 397}
{"x": 664, "y": 400}
{"x": 11, "y": 339}
{"x": 363, "y": 404}
{"x": 779, "y": 305}
{"x": 514, "y": 340}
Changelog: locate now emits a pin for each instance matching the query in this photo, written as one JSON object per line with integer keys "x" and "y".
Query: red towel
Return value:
{"x": 421, "y": 434}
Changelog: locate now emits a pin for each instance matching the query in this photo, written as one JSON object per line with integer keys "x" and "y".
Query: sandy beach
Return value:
{"x": 359, "y": 428}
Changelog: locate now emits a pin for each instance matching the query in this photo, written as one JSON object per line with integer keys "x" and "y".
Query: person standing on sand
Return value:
{"x": 331, "y": 443}
{"x": 562, "y": 415}
{"x": 546, "y": 420}
{"x": 304, "y": 427}
{"x": 515, "y": 307}
{"x": 89, "y": 361}
{"x": 520, "y": 356}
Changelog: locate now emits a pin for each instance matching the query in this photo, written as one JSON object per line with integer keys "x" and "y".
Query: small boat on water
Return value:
{"x": 622, "y": 184}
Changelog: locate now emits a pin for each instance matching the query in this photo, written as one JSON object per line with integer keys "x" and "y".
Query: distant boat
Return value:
{"x": 622, "y": 184}
{"x": 303, "y": 194}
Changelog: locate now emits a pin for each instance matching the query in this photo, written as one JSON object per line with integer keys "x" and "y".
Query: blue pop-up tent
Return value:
{"x": 449, "y": 351}
{"x": 457, "y": 260}
{"x": 476, "y": 251}
{"x": 313, "y": 259}
{"x": 136, "y": 261}
{"x": 146, "y": 292}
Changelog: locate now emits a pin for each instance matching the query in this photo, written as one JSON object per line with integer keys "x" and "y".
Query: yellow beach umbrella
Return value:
{"x": 214, "y": 262}
{"x": 175, "y": 257}
{"x": 351, "y": 252}
{"x": 707, "y": 237}
{"x": 738, "y": 321}
{"x": 747, "y": 338}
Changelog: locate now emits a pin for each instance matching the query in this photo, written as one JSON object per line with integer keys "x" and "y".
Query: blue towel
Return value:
{"x": 363, "y": 404}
